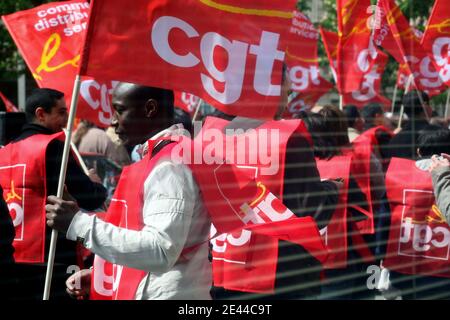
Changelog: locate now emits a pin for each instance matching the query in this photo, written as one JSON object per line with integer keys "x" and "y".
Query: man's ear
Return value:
{"x": 151, "y": 108}
{"x": 39, "y": 114}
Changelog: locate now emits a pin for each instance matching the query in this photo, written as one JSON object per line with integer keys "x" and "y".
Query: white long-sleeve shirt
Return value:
{"x": 175, "y": 218}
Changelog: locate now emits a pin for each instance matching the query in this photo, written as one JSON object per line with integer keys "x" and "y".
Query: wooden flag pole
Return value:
{"x": 62, "y": 178}
{"x": 447, "y": 104}
{"x": 197, "y": 108}
{"x": 402, "y": 109}
{"x": 394, "y": 98}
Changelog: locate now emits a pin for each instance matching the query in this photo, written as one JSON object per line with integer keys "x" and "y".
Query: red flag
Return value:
{"x": 186, "y": 101}
{"x": 49, "y": 38}
{"x": 403, "y": 43}
{"x": 233, "y": 59}
{"x": 356, "y": 50}
{"x": 303, "y": 65}
{"x": 436, "y": 40}
{"x": 330, "y": 40}
{"x": 370, "y": 88}
{"x": 10, "y": 107}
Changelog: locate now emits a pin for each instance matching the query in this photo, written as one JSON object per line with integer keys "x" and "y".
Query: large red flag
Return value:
{"x": 303, "y": 65}
{"x": 403, "y": 43}
{"x": 50, "y": 39}
{"x": 356, "y": 49}
{"x": 330, "y": 41}
{"x": 436, "y": 40}
{"x": 231, "y": 59}
{"x": 9, "y": 106}
{"x": 370, "y": 88}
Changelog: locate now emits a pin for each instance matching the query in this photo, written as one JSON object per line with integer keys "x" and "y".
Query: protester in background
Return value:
{"x": 329, "y": 131}
{"x": 440, "y": 172}
{"x": 165, "y": 213}
{"x": 40, "y": 148}
{"x": 373, "y": 115}
{"x": 355, "y": 122}
{"x": 404, "y": 144}
{"x": 90, "y": 139}
{"x": 432, "y": 140}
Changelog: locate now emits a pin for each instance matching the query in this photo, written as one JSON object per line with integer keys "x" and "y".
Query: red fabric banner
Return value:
{"x": 436, "y": 40}
{"x": 404, "y": 43}
{"x": 419, "y": 236}
{"x": 369, "y": 89}
{"x": 303, "y": 64}
{"x": 356, "y": 49}
{"x": 49, "y": 38}
{"x": 160, "y": 43}
{"x": 9, "y": 106}
{"x": 186, "y": 101}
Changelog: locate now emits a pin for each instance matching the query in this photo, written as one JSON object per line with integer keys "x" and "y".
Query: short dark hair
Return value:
{"x": 352, "y": 114}
{"x": 45, "y": 98}
{"x": 369, "y": 112}
{"x": 433, "y": 140}
{"x": 412, "y": 101}
{"x": 163, "y": 97}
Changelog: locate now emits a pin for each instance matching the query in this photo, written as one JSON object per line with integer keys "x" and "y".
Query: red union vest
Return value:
{"x": 23, "y": 178}
{"x": 363, "y": 147}
{"x": 335, "y": 233}
{"x": 116, "y": 282}
{"x": 246, "y": 259}
{"x": 419, "y": 237}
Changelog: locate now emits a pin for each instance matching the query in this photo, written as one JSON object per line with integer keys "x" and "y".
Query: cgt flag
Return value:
{"x": 303, "y": 64}
{"x": 436, "y": 40}
{"x": 356, "y": 49}
{"x": 369, "y": 90}
{"x": 186, "y": 102}
{"x": 404, "y": 43}
{"x": 50, "y": 39}
{"x": 233, "y": 60}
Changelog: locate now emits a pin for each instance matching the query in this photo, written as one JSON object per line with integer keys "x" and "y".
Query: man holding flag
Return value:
{"x": 154, "y": 237}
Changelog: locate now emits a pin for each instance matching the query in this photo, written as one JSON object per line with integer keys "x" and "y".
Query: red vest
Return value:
{"x": 116, "y": 282}
{"x": 419, "y": 237}
{"x": 363, "y": 148}
{"x": 246, "y": 260}
{"x": 335, "y": 233}
{"x": 23, "y": 178}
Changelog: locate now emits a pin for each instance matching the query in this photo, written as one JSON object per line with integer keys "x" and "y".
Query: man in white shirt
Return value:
{"x": 173, "y": 215}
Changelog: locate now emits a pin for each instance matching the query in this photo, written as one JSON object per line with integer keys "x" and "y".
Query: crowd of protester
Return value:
{"x": 162, "y": 247}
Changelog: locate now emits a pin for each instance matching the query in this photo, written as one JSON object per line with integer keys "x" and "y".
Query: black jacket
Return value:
{"x": 403, "y": 145}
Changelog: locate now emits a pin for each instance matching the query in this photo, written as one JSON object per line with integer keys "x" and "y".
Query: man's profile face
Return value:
{"x": 129, "y": 120}
{"x": 56, "y": 119}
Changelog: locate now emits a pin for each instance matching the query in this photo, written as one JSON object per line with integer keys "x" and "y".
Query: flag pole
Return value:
{"x": 62, "y": 177}
{"x": 447, "y": 104}
{"x": 402, "y": 109}
{"x": 197, "y": 108}
{"x": 394, "y": 98}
